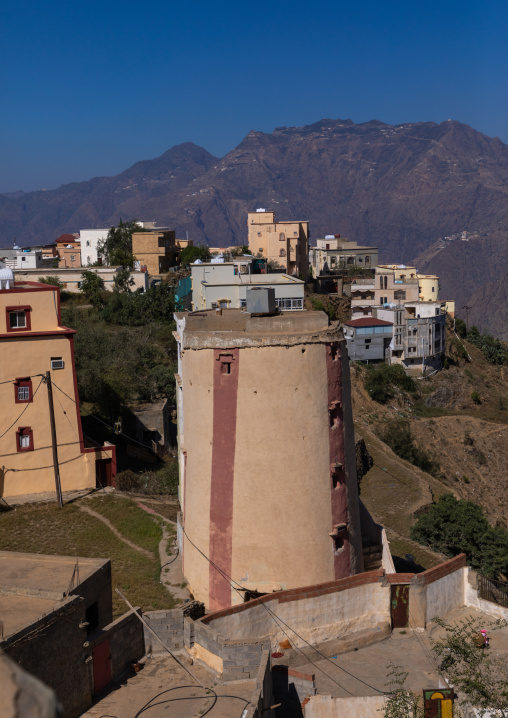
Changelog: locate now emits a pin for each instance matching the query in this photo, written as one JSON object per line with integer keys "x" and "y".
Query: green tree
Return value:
{"x": 190, "y": 254}
{"x": 239, "y": 251}
{"x": 397, "y": 434}
{"x": 380, "y": 381}
{"x": 123, "y": 280}
{"x": 116, "y": 249}
{"x": 92, "y": 287}
{"x": 472, "y": 670}
{"x": 453, "y": 526}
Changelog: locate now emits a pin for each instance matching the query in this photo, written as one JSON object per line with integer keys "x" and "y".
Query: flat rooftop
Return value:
{"x": 259, "y": 279}
{"x": 37, "y": 574}
{"x": 19, "y": 611}
{"x": 235, "y": 327}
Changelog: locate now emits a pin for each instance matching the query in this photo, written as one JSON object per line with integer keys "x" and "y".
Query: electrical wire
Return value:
{"x": 26, "y": 407}
{"x": 149, "y": 705}
{"x": 13, "y": 381}
{"x": 103, "y": 422}
{"x": 276, "y": 618}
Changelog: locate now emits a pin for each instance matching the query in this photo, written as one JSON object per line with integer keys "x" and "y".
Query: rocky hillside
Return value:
{"x": 399, "y": 187}
{"x": 467, "y": 439}
{"x": 473, "y": 271}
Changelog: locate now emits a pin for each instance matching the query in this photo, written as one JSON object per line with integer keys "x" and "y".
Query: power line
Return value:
{"x": 26, "y": 407}
{"x": 103, "y": 422}
{"x": 276, "y": 618}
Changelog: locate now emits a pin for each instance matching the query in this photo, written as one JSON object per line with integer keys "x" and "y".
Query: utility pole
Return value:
{"x": 47, "y": 380}
{"x": 467, "y": 308}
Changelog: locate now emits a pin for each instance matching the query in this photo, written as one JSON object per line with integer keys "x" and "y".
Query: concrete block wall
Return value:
{"x": 233, "y": 660}
{"x": 262, "y": 697}
{"x": 169, "y": 625}
{"x": 126, "y": 642}
{"x": 98, "y": 588}
{"x": 241, "y": 659}
{"x": 52, "y": 649}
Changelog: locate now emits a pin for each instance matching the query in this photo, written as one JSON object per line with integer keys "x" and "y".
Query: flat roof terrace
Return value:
{"x": 235, "y": 327}
{"x": 43, "y": 576}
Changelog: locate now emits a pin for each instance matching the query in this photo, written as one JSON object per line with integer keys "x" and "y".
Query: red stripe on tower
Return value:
{"x": 225, "y": 394}
{"x": 339, "y": 538}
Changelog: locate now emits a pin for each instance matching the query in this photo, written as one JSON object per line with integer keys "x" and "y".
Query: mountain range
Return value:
{"x": 402, "y": 188}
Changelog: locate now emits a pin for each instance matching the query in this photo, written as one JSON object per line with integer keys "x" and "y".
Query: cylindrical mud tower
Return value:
{"x": 267, "y": 455}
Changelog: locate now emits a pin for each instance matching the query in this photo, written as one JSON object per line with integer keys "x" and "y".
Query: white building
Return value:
{"x": 32, "y": 259}
{"x": 90, "y": 238}
{"x": 224, "y": 284}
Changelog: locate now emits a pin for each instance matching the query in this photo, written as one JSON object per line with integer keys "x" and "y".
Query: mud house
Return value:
{"x": 155, "y": 250}
{"x": 284, "y": 243}
{"x": 33, "y": 342}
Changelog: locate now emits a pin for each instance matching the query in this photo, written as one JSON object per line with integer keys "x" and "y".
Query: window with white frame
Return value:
{"x": 289, "y": 303}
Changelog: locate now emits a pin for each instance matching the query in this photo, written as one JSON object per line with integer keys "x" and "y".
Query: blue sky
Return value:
{"x": 89, "y": 88}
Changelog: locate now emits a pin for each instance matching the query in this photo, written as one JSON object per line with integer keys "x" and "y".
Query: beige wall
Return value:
{"x": 32, "y": 471}
{"x": 325, "y": 706}
{"x": 341, "y": 614}
{"x": 264, "y": 235}
{"x": 429, "y": 287}
{"x": 281, "y": 460}
{"x": 197, "y": 398}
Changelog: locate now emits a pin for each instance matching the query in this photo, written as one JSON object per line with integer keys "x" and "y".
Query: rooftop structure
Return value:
{"x": 368, "y": 339}
{"x": 225, "y": 285}
{"x": 334, "y": 253}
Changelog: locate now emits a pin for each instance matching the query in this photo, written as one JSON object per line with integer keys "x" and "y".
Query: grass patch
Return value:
{"x": 421, "y": 409}
{"x": 132, "y": 521}
{"x": 46, "y": 529}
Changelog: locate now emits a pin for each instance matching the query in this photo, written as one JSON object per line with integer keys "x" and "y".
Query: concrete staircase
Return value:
{"x": 372, "y": 557}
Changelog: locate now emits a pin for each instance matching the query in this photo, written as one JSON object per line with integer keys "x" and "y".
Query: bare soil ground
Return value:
{"x": 468, "y": 440}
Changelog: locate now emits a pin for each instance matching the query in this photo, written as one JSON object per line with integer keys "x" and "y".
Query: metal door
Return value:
{"x": 400, "y": 606}
{"x": 101, "y": 656}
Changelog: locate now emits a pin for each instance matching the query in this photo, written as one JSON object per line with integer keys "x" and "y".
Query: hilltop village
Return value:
{"x": 232, "y": 564}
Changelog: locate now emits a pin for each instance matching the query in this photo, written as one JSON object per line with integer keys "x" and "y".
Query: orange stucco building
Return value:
{"x": 268, "y": 483}
{"x": 284, "y": 243}
{"x": 32, "y": 342}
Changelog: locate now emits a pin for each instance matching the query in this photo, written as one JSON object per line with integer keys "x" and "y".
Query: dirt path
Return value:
{"x": 117, "y": 533}
{"x": 171, "y": 562}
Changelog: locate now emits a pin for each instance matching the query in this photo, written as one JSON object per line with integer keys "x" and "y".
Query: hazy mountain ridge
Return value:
{"x": 400, "y": 188}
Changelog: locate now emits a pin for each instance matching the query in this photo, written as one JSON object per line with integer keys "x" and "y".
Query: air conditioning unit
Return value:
{"x": 57, "y": 364}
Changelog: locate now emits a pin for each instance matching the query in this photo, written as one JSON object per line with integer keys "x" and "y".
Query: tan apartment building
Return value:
{"x": 335, "y": 252}
{"x": 264, "y": 424}
{"x": 155, "y": 251}
{"x": 33, "y": 341}
{"x": 391, "y": 284}
{"x": 284, "y": 243}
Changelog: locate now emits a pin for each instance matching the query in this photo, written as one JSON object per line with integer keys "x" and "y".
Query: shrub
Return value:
{"x": 163, "y": 480}
{"x": 454, "y": 526}
{"x": 468, "y": 439}
{"x": 475, "y": 396}
{"x": 397, "y": 435}
{"x": 460, "y": 328}
{"x": 381, "y": 381}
